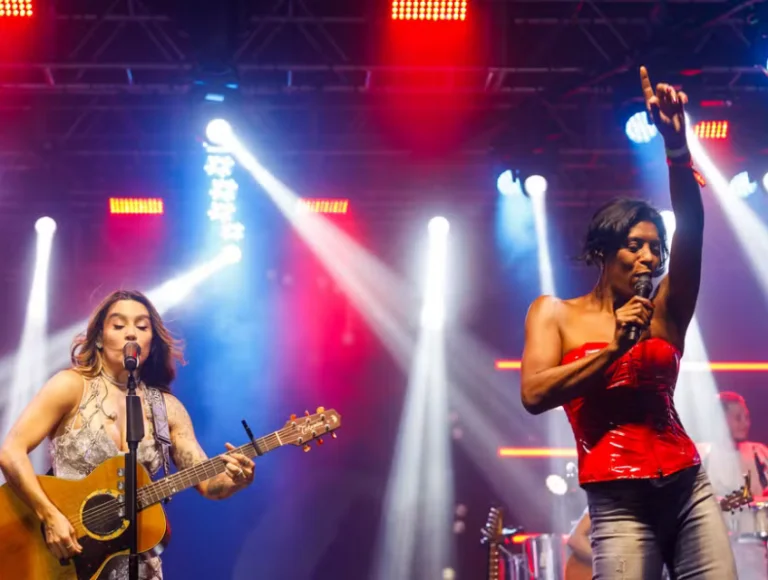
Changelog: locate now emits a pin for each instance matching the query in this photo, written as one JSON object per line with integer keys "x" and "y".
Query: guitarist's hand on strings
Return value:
{"x": 239, "y": 468}
{"x": 60, "y": 536}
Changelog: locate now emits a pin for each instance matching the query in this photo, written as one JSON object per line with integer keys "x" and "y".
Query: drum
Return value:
{"x": 515, "y": 568}
{"x": 545, "y": 556}
{"x": 760, "y": 518}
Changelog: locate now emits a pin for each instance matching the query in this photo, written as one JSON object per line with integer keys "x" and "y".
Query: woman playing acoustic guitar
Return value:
{"x": 82, "y": 412}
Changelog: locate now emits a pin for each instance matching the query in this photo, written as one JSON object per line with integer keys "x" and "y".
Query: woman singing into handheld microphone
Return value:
{"x": 611, "y": 358}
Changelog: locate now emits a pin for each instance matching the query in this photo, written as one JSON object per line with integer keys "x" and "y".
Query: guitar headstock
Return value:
{"x": 301, "y": 430}
{"x": 493, "y": 531}
{"x": 738, "y": 498}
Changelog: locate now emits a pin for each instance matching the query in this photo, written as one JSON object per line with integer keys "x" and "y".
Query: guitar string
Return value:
{"x": 95, "y": 516}
{"x": 106, "y": 511}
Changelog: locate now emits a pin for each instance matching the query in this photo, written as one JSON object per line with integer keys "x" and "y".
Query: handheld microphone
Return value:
{"x": 643, "y": 288}
{"x": 131, "y": 356}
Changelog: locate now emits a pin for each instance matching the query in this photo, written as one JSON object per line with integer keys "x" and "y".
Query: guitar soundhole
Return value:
{"x": 101, "y": 515}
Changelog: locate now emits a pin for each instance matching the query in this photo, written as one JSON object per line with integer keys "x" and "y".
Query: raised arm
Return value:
{"x": 186, "y": 452}
{"x": 58, "y": 397}
{"x": 544, "y": 383}
{"x": 678, "y": 292}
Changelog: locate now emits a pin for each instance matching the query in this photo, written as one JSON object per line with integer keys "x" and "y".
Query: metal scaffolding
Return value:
{"x": 124, "y": 80}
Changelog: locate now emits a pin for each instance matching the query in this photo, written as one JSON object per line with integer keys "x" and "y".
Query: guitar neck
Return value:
{"x": 493, "y": 561}
{"x": 168, "y": 486}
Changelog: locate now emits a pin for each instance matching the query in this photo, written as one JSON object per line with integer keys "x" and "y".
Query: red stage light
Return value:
{"x": 692, "y": 366}
{"x": 429, "y": 9}
{"x": 15, "y": 8}
{"x": 136, "y": 206}
{"x": 711, "y": 130}
{"x": 325, "y": 205}
{"x": 537, "y": 452}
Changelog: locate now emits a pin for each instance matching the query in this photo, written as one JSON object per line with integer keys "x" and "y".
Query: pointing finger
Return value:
{"x": 645, "y": 83}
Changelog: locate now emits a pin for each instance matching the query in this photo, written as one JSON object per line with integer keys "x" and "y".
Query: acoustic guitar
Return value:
{"x": 577, "y": 569}
{"x": 95, "y": 506}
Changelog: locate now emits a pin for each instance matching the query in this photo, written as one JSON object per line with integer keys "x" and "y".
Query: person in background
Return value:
{"x": 726, "y": 466}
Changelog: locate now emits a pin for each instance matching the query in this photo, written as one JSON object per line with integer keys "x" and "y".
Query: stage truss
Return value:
{"x": 115, "y": 82}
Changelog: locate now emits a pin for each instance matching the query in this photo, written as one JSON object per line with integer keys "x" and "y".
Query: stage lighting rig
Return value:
{"x": 16, "y": 9}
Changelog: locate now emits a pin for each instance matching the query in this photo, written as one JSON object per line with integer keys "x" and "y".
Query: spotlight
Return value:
{"x": 231, "y": 254}
{"x": 535, "y": 186}
{"x": 508, "y": 183}
{"x": 639, "y": 130}
{"x": 557, "y": 485}
{"x": 765, "y": 182}
{"x": 218, "y": 131}
{"x": 438, "y": 227}
{"x": 742, "y": 186}
{"x": 45, "y": 226}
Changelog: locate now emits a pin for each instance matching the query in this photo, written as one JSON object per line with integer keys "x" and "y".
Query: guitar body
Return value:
{"x": 24, "y": 553}
{"x": 576, "y": 569}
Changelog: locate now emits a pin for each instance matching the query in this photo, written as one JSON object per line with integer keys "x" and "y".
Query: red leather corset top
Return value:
{"x": 629, "y": 429}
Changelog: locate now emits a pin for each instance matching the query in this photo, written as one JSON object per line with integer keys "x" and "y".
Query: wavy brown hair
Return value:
{"x": 158, "y": 370}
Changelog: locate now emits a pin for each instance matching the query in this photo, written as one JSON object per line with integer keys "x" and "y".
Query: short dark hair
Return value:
{"x": 610, "y": 227}
{"x": 728, "y": 398}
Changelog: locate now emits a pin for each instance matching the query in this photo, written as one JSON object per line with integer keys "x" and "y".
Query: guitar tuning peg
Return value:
{"x": 334, "y": 435}
{"x": 321, "y": 409}
{"x": 293, "y": 416}
{"x": 306, "y": 448}
{"x": 319, "y": 441}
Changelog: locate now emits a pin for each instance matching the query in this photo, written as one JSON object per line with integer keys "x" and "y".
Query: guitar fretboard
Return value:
{"x": 158, "y": 491}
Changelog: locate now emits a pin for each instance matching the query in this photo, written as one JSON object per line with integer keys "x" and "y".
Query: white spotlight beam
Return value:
{"x": 696, "y": 396}
{"x": 749, "y": 230}
{"x": 165, "y": 297}
{"x": 380, "y": 297}
{"x": 29, "y": 368}
{"x": 419, "y": 498}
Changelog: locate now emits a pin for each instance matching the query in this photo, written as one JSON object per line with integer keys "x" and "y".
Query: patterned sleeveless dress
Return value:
{"x": 85, "y": 444}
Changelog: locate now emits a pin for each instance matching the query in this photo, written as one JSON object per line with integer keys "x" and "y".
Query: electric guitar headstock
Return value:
{"x": 493, "y": 535}
{"x": 493, "y": 531}
{"x": 739, "y": 498}
{"x": 300, "y": 431}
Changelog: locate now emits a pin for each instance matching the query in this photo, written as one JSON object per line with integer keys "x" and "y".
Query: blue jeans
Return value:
{"x": 640, "y": 525}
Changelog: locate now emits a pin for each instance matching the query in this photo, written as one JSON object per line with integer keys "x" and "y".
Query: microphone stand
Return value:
{"x": 134, "y": 434}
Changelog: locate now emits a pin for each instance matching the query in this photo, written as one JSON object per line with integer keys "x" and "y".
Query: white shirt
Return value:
{"x": 726, "y": 468}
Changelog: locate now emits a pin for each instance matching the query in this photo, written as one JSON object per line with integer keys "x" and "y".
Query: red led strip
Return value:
{"x": 429, "y": 10}
{"x": 711, "y": 130}
{"x": 328, "y": 206}
{"x": 16, "y": 8}
{"x": 136, "y": 206}
{"x": 743, "y": 367}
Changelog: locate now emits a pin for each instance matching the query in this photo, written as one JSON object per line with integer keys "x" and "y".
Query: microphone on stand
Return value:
{"x": 643, "y": 288}
{"x": 134, "y": 433}
{"x": 131, "y": 356}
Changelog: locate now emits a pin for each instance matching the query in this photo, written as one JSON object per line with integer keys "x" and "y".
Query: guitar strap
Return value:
{"x": 162, "y": 430}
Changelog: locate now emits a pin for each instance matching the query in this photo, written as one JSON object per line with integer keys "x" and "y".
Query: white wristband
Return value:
{"x": 681, "y": 152}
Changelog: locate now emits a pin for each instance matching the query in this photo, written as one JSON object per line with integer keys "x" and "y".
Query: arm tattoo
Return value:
{"x": 186, "y": 451}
